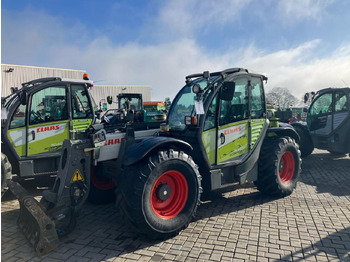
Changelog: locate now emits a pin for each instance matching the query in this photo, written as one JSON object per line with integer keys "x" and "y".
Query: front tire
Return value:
{"x": 159, "y": 195}
{"x": 279, "y": 166}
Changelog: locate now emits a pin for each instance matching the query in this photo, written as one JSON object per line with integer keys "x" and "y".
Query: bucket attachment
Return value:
{"x": 36, "y": 226}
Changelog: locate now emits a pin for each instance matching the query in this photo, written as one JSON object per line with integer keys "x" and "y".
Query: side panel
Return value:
{"x": 232, "y": 141}
{"x": 257, "y": 127}
{"x": 113, "y": 140}
{"x": 47, "y": 137}
{"x": 81, "y": 124}
{"x": 209, "y": 142}
{"x": 17, "y": 137}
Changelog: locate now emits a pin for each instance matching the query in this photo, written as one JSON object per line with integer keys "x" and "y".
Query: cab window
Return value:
{"x": 341, "y": 102}
{"x": 258, "y": 100}
{"x": 18, "y": 118}
{"x": 236, "y": 109}
{"x": 210, "y": 118}
{"x": 49, "y": 104}
{"x": 322, "y": 105}
{"x": 80, "y": 103}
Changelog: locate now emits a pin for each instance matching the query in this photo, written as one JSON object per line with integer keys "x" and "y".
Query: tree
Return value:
{"x": 281, "y": 97}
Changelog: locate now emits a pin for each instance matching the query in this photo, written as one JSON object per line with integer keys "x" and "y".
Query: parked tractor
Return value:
{"x": 37, "y": 119}
{"x": 131, "y": 108}
{"x": 327, "y": 123}
{"x": 217, "y": 135}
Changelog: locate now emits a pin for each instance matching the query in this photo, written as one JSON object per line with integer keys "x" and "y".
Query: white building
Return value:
{"x": 15, "y": 75}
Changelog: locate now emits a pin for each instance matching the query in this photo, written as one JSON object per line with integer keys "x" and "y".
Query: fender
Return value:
{"x": 137, "y": 151}
{"x": 283, "y": 130}
{"x": 302, "y": 125}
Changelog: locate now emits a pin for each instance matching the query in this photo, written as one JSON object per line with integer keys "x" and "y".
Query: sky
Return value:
{"x": 301, "y": 45}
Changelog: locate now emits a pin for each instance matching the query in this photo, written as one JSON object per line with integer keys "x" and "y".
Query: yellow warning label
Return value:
{"x": 77, "y": 176}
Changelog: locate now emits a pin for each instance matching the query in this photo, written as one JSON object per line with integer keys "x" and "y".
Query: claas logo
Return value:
{"x": 232, "y": 130}
{"x": 114, "y": 141}
{"x": 47, "y": 128}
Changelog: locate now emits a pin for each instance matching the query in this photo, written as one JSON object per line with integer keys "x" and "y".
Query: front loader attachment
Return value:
{"x": 33, "y": 222}
{"x": 44, "y": 222}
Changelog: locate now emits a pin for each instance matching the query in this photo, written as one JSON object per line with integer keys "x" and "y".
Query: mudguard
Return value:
{"x": 137, "y": 151}
{"x": 283, "y": 130}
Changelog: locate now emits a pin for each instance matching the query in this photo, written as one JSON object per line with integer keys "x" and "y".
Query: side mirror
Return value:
{"x": 306, "y": 97}
{"x": 23, "y": 98}
{"x": 227, "y": 91}
{"x": 109, "y": 100}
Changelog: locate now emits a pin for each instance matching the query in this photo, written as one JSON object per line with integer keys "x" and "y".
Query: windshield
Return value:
{"x": 184, "y": 104}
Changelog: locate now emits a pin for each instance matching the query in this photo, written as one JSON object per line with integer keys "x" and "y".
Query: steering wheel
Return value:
{"x": 37, "y": 117}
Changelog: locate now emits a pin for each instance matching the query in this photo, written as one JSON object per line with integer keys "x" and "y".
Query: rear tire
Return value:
{"x": 279, "y": 166}
{"x": 6, "y": 173}
{"x": 159, "y": 195}
{"x": 101, "y": 190}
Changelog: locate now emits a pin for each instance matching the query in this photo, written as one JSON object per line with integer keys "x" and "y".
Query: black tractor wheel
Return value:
{"x": 6, "y": 173}
{"x": 101, "y": 190}
{"x": 279, "y": 166}
{"x": 159, "y": 195}
{"x": 305, "y": 143}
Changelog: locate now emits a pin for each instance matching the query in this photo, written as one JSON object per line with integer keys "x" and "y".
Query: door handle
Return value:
{"x": 222, "y": 138}
{"x": 33, "y": 134}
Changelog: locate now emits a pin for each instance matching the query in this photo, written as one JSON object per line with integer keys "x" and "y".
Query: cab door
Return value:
{"x": 48, "y": 120}
{"x": 233, "y": 127}
{"x": 320, "y": 116}
{"x": 82, "y": 110}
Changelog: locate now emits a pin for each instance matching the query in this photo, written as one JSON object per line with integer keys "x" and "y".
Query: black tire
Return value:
{"x": 305, "y": 143}
{"x": 6, "y": 173}
{"x": 148, "y": 199}
{"x": 101, "y": 190}
{"x": 279, "y": 166}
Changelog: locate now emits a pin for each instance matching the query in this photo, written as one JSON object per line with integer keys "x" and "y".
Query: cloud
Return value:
{"x": 299, "y": 70}
{"x": 297, "y": 10}
{"x": 183, "y": 18}
{"x": 42, "y": 40}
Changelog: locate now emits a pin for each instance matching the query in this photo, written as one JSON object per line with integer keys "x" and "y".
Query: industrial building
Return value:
{"x": 15, "y": 75}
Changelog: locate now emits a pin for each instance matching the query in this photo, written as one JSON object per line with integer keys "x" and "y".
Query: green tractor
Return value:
{"x": 217, "y": 135}
{"x": 131, "y": 108}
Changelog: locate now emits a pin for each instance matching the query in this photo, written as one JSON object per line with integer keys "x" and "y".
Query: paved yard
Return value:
{"x": 313, "y": 224}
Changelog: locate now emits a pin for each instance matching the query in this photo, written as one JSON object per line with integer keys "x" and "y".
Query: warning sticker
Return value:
{"x": 77, "y": 176}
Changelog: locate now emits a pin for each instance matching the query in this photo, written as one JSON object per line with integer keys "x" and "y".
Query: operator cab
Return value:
{"x": 39, "y": 116}
{"x": 222, "y": 115}
{"x": 328, "y": 119}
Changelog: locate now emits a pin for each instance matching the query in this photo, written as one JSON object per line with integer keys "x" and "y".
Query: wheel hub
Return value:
{"x": 169, "y": 194}
{"x": 163, "y": 192}
{"x": 281, "y": 166}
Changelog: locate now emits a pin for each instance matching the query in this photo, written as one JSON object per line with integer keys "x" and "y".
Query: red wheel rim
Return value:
{"x": 100, "y": 183}
{"x": 287, "y": 167}
{"x": 169, "y": 194}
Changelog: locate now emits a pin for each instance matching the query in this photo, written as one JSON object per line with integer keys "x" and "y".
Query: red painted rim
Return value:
{"x": 100, "y": 183}
{"x": 169, "y": 194}
{"x": 287, "y": 167}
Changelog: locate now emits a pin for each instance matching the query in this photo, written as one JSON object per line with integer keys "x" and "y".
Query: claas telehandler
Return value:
{"x": 217, "y": 135}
